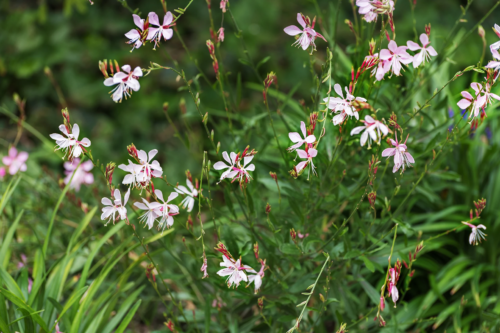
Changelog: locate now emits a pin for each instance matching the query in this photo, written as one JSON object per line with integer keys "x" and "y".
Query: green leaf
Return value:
{"x": 368, "y": 263}
{"x": 289, "y": 249}
{"x": 8, "y": 239}
{"x": 263, "y": 61}
{"x": 21, "y": 304}
{"x": 128, "y": 317}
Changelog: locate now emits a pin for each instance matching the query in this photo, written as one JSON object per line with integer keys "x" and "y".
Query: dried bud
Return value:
{"x": 268, "y": 208}
{"x": 260, "y": 302}
{"x": 480, "y": 206}
{"x": 182, "y": 106}
{"x": 165, "y": 107}
{"x": 110, "y": 168}
{"x": 189, "y": 223}
{"x": 372, "y": 196}
{"x": 350, "y": 25}
{"x": 211, "y": 50}
{"x": 293, "y": 234}
{"x": 382, "y": 303}
{"x": 256, "y": 250}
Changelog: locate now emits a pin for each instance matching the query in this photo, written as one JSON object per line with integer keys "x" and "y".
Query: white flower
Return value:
{"x": 476, "y": 235}
{"x": 425, "y": 53}
{"x": 152, "y": 211}
{"x": 167, "y": 210}
{"x": 126, "y": 82}
{"x": 298, "y": 140}
{"x": 229, "y": 173}
{"x": 234, "y": 270}
{"x": 394, "y": 56}
{"x": 136, "y": 175}
{"x": 150, "y": 169}
{"x": 188, "y": 201}
{"x": 495, "y": 46}
{"x": 70, "y": 142}
{"x": 115, "y": 206}
{"x": 373, "y": 130}
{"x": 256, "y": 278}
{"x": 342, "y": 105}
{"x": 402, "y": 158}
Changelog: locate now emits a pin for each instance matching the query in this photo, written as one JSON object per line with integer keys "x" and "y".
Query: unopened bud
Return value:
{"x": 212, "y": 135}
{"x": 481, "y": 32}
{"x": 260, "y": 302}
{"x": 218, "y": 148}
{"x": 268, "y": 208}
{"x": 132, "y": 151}
{"x": 382, "y": 303}
{"x": 293, "y": 234}
{"x": 412, "y": 272}
{"x": 205, "y": 118}
{"x": 256, "y": 250}
{"x": 322, "y": 298}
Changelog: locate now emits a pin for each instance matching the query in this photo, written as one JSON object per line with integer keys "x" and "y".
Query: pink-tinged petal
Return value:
{"x": 153, "y": 19}
{"x": 380, "y": 72}
{"x": 159, "y": 194}
{"x": 383, "y": 128}
{"x": 303, "y": 128}
{"x": 338, "y": 90}
{"x": 142, "y": 155}
{"x": 233, "y": 157}
{"x": 89, "y": 178}
{"x": 369, "y": 119}
{"x": 388, "y": 152}
{"x": 305, "y": 42}
{"x": 481, "y": 226}
{"x": 311, "y": 138}
{"x": 396, "y": 168}
{"x": 476, "y": 87}
{"x": 431, "y": 51}
{"x": 493, "y": 64}
{"x": 302, "y": 153}
{"x": 396, "y": 67}
{"x": 167, "y": 34}
{"x": 495, "y": 53}
{"x": 424, "y": 39}
{"x": 393, "y": 46}
{"x": 357, "y": 130}
{"x": 363, "y": 138}
{"x": 133, "y": 84}
{"x": 471, "y": 238}
{"x": 172, "y": 196}
{"x": 231, "y": 174}
{"x": 406, "y": 58}
{"x": 398, "y": 158}
{"x": 220, "y": 165}
{"x": 417, "y": 59}
{"x": 8, "y": 160}
{"x": 106, "y": 202}
{"x": 401, "y": 50}
{"x": 373, "y": 134}
{"x": 76, "y": 131}
{"x": 137, "y": 71}
{"x": 251, "y": 167}
{"x": 57, "y": 137}
{"x": 62, "y": 128}
{"x": 138, "y": 21}
{"x": 109, "y": 81}
{"x": 152, "y": 32}
{"x": 495, "y": 96}
{"x": 292, "y": 30}
{"x": 12, "y": 152}
{"x": 301, "y": 166}
{"x": 295, "y": 146}
{"x": 133, "y": 34}
{"x": 119, "y": 77}
{"x": 167, "y": 19}
{"x": 85, "y": 142}
{"x": 410, "y": 158}
{"x": 467, "y": 95}
{"x": 301, "y": 20}
{"x": 106, "y": 212}
{"x": 413, "y": 46}
{"x": 152, "y": 153}
{"x": 126, "y": 68}
{"x": 225, "y": 156}
{"x": 246, "y": 160}
{"x": 313, "y": 152}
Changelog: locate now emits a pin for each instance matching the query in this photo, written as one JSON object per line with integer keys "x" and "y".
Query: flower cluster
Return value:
{"x": 82, "y": 174}
{"x": 309, "y": 141}
{"x": 150, "y": 30}
{"x": 69, "y": 142}
{"x": 126, "y": 81}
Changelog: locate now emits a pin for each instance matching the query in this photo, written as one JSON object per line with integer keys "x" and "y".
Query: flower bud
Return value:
{"x": 218, "y": 148}
{"x": 110, "y": 168}
{"x": 221, "y": 35}
{"x": 322, "y": 298}
{"x": 268, "y": 208}
{"x": 293, "y": 234}
{"x": 256, "y": 250}
{"x": 372, "y": 196}
{"x": 260, "y": 302}
{"x": 481, "y": 32}
{"x": 132, "y": 151}
{"x": 170, "y": 325}
{"x": 205, "y": 118}
{"x": 382, "y": 303}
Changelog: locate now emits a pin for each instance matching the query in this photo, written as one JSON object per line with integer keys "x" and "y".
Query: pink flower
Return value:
{"x": 2, "y": 172}
{"x": 476, "y": 235}
{"x": 157, "y": 31}
{"x": 298, "y": 140}
{"x": 301, "y": 235}
{"x": 111, "y": 208}
{"x": 308, "y": 155}
{"x": 401, "y": 157}
{"x": 166, "y": 211}
{"x": 426, "y": 50}
{"x": 221, "y": 34}
{"x": 223, "y": 5}
{"x": 126, "y": 82}
{"x": 477, "y": 103}
{"x": 488, "y": 96}
{"x": 394, "y": 56}
{"x": 344, "y": 105}
{"x": 308, "y": 34}
{"x": 373, "y": 130}
{"x": 82, "y": 174}
{"x": 15, "y": 162}
{"x": 135, "y": 35}
{"x": 235, "y": 167}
